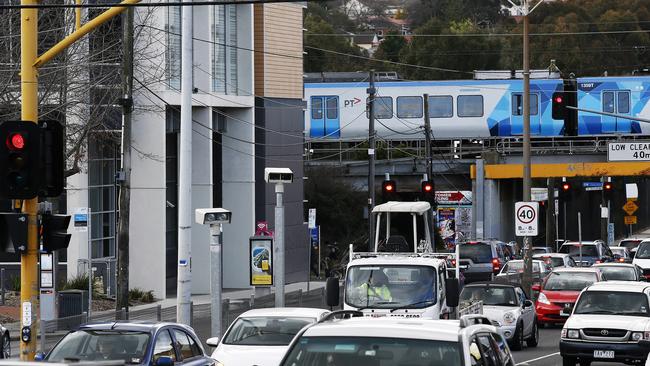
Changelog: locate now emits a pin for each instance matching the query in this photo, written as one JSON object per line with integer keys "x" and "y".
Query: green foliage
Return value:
{"x": 317, "y": 60}
{"x": 79, "y": 282}
{"x": 139, "y": 295}
{"x": 15, "y": 283}
{"x": 390, "y": 48}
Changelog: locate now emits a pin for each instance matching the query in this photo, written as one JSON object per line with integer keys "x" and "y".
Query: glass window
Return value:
{"x": 409, "y": 107}
{"x": 183, "y": 344}
{"x": 316, "y": 108}
{"x": 173, "y": 50}
{"x": 630, "y": 243}
{"x": 608, "y": 102}
{"x": 470, "y": 105}
{"x": 265, "y": 331}
{"x": 575, "y": 250}
{"x": 623, "y": 102}
{"x": 615, "y": 303}
{"x": 518, "y": 104}
{"x": 569, "y": 281}
{"x": 164, "y": 346}
{"x": 383, "y": 107}
{"x": 441, "y": 106}
{"x": 332, "y": 108}
{"x": 611, "y": 273}
{"x": 94, "y": 345}
{"x": 518, "y": 266}
{"x": 224, "y": 49}
{"x": 490, "y": 295}
{"x": 477, "y": 252}
{"x": 488, "y": 351}
{"x": 326, "y": 351}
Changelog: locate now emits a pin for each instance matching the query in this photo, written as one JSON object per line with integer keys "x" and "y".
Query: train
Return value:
{"x": 478, "y": 109}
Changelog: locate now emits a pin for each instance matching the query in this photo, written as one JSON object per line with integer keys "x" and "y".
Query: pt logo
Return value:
{"x": 349, "y": 103}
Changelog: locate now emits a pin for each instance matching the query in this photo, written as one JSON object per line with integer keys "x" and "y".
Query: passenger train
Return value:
{"x": 474, "y": 108}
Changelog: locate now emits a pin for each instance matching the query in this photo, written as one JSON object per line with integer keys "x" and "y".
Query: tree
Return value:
{"x": 390, "y": 48}
{"x": 318, "y": 59}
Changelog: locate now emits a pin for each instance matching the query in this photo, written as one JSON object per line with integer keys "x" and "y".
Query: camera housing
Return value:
{"x": 278, "y": 175}
{"x": 208, "y": 216}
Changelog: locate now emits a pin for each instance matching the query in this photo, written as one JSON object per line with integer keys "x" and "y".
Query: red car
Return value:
{"x": 559, "y": 292}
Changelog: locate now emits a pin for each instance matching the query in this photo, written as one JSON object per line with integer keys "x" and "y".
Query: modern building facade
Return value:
{"x": 247, "y": 115}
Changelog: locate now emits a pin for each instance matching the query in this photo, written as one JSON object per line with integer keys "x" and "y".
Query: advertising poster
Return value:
{"x": 454, "y": 216}
{"x": 447, "y": 225}
{"x": 261, "y": 261}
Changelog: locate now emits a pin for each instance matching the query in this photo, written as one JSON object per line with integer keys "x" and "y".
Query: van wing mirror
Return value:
{"x": 332, "y": 291}
{"x": 452, "y": 287}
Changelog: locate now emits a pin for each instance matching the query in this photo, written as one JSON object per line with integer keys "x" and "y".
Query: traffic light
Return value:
{"x": 13, "y": 232}
{"x": 55, "y": 232}
{"x": 565, "y": 191}
{"x": 388, "y": 189}
{"x": 567, "y": 98}
{"x": 608, "y": 190}
{"x": 428, "y": 190}
{"x": 19, "y": 160}
{"x": 52, "y": 159}
{"x": 559, "y": 106}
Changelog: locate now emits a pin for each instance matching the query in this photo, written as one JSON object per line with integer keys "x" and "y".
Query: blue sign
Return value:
{"x": 592, "y": 184}
{"x": 313, "y": 234}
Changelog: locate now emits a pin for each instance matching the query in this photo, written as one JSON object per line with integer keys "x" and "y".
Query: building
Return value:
{"x": 247, "y": 115}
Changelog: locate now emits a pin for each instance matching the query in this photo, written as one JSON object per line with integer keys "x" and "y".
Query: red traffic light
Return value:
{"x": 566, "y": 186}
{"x": 608, "y": 186}
{"x": 427, "y": 187}
{"x": 389, "y": 187}
{"x": 16, "y": 141}
{"x": 559, "y": 99}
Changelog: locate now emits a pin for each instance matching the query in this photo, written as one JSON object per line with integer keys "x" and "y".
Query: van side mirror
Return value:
{"x": 39, "y": 356}
{"x": 332, "y": 291}
{"x": 453, "y": 292}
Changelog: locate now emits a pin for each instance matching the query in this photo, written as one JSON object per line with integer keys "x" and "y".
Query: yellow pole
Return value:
{"x": 77, "y": 16}
{"x": 29, "y": 112}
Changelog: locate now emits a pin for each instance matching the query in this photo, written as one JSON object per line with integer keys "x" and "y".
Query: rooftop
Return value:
{"x": 619, "y": 286}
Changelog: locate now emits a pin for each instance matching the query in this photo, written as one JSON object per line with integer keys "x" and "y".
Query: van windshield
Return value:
{"x": 326, "y": 351}
{"x": 390, "y": 286}
{"x": 477, "y": 252}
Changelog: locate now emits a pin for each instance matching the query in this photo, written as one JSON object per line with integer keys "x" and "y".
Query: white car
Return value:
{"x": 556, "y": 259}
{"x": 363, "y": 341}
{"x": 642, "y": 257}
{"x": 608, "y": 323}
{"x": 261, "y": 336}
{"x": 507, "y": 306}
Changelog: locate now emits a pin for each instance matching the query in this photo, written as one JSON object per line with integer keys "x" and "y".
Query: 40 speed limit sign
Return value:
{"x": 526, "y": 217}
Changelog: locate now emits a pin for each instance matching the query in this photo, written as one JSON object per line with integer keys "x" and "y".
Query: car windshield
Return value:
{"x": 357, "y": 351}
{"x": 618, "y": 303}
{"x": 643, "y": 251}
{"x": 93, "y": 345}
{"x": 265, "y": 331}
{"x": 477, "y": 252}
{"x": 588, "y": 250}
{"x": 569, "y": 281}
{"x": 552, "y": 261}
{"x": 490, "y": 295}
{"x": 630, "y": 243}
{"x": 518, "y": 266}
{"x": 616, "y": 273}
{"x": 390, "y": 286}
{"x": 618, "y": 250}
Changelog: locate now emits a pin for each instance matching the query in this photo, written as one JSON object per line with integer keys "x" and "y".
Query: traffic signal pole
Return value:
{"x": 526, "y": 281}
{"x": 29, "y": 63}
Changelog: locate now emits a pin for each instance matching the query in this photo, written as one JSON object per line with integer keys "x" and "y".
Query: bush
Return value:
{"x": 147, "y": 297}
{"x": 79, "y": 282}
{"x": 15, "y": 283}
{"x": 136, "y": 294}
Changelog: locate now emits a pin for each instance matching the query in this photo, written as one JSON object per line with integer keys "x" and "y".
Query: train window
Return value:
{"x": 409, "y": 107}
{"x": 441, "y": 106}
{"x": 623, "y": 101}
{"x": 383, "y": 107}
{"x": 518, "y": 104}
{"x": 470, "y": 105}
{"x": 316, "y": 108}
{"x": 608, "y": 102}
{"x": 332, "y": 105}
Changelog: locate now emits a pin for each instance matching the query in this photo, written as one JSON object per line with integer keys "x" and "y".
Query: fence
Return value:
{"x": 51, "y": 331}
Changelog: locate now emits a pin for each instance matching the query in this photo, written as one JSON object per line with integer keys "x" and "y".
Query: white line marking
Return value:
{"x": 537, "y": 359}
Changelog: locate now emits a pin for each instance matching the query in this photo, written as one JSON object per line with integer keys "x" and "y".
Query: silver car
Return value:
{"x": 508, "y": 306}
{"x": 556, "y": 259}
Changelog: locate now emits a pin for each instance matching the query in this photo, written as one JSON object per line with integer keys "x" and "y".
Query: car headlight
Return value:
{"x": 543, "y": 299}
{"x": 637, "y": 336}
{"x": 570, "y": 333}
{"x": 509, "y": 318}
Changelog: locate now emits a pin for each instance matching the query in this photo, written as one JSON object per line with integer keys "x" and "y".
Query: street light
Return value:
{"x": 279, "y": 177}
{"x": 215, "y": 217}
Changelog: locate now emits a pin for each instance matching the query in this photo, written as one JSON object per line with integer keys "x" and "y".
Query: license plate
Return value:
{"x": 603, "y": 354}
{"x": 564, "y": 313}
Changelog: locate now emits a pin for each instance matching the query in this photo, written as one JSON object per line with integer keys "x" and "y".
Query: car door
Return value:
{"x": 163, "y": 346}
{"x": 527, "y": 313}
{"x": 188, "y": 351}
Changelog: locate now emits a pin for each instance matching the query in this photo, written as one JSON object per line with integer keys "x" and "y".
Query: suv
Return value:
{"x": 631, "y": 244}
{"x": 588, "y": 253}
{"x": 398, "y": 341}
{"x": 481, "y": 260}
{"x": 509, "y": 307}
{"x": 608, "y": 323}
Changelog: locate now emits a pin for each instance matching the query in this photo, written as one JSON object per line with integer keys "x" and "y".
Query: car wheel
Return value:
{"x": 518, "y": 339}
{"x": 6, "y": 347}
{"x": 568, "y": 361}
{"x": 534, "y": 337}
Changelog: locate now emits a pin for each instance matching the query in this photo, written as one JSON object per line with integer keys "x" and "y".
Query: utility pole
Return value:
{"x": 526, "y": 281}
{"x": 550, "y": 214}
{"x": 125, "y": 176}
{"x": 29, "y": 113}
{"x": 279, "y": 268}
{"x": 604, "y": 220}
{"x": 184, "y": 288}
{"x": 371, "y": 159}
{"x": 427, "y": 137}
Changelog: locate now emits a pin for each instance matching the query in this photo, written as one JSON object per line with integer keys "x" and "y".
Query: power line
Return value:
{"x": 162, "y": 4}
{"x": 464, "y": 35}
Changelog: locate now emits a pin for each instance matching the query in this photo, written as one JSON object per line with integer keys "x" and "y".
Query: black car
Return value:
{"x": 157, "y": 344}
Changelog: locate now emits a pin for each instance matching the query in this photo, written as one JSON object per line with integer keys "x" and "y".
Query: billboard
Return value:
{"x": 261, "y": 260}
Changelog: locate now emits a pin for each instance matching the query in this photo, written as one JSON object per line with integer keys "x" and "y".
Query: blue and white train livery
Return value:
{"x": 472, "y": 108}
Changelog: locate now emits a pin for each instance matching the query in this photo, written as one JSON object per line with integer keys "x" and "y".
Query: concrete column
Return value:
{"x": 491, "y": 209}
{"x": 478, "y": 201}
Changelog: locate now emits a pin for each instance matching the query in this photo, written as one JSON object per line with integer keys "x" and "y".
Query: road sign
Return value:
{"x": 628, "y": 151}
{"x": 539, "y": 194}
{"x": 630, "y": 220}
{"x": 312, "y": 218}
{"x": 592, "y": 186}
{"x": 526, "y": 214}
{"x": 80, "y": 218}
{"x": 610, "y": 234}
{"x": 630, "y": 207}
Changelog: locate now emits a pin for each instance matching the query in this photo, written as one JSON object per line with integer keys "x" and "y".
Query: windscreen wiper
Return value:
{"x": 376, "y": 303}
{"x": 433, "y": 301}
